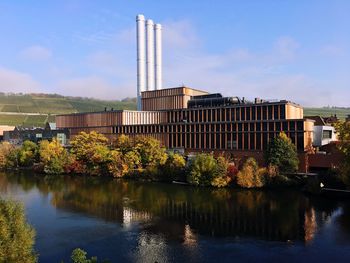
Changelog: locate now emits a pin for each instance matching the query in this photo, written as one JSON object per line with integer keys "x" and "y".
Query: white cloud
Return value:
{"x": 36, "y": 53}
{"x": 14, "y": 81}
{"x": 94, "y": 87}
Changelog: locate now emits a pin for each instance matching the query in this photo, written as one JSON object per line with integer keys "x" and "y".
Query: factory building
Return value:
{"x": 191, "y": 120}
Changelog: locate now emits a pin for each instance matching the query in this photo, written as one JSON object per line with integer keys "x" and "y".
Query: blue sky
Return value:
{"x": 296, "y": 50}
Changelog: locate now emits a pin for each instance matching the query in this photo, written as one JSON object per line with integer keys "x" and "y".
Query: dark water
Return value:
{"x": 126, "y": 221}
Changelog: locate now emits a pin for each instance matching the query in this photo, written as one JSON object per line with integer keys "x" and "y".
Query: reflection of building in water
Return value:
{"x": 259, "y": 222}
{"x": 130, "y": 215}
{"x": 310, "y": 225}
{"x": 190, "y": 238}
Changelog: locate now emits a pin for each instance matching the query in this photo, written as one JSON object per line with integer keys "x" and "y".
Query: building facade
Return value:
{"x": 195, "y": 121}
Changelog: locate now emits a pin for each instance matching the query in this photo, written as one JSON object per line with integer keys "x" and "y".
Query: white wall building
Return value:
{"x": 324, "y": 135}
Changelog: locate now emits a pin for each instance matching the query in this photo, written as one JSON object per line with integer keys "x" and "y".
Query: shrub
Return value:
{"x": 150, "y": 151}
{"x": 173, "y": 168}
{"x": 27, "y": 154}
{"x": 8, "y": 156}
{"x": 232, "y": 171}
{"x": 220, "y": 178}
{"x": 282, "y": 153}
{"x": 16, "y": 236}
{"x": 202, "y": 169}
{"x": 53, "y": 157}
{"x": 79, "y": 256}
{"x": 251, "y": 176}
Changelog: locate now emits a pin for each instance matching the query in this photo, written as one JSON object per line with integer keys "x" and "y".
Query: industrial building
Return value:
{"x": 191, "y": 120}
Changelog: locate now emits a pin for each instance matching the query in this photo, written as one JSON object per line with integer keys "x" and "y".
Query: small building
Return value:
{"x": 324, "y": 132}
{"x": 4, "y": 128}
{"x": 36, "y": 134}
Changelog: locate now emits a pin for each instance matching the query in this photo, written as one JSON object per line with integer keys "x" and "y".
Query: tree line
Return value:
{"x": 145, "y": 158}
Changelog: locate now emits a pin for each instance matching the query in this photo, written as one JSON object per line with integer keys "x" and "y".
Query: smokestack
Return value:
{"x": 158, "y": 55}
{"x": 141, "y": 69}
{"x": 150, "y": 54}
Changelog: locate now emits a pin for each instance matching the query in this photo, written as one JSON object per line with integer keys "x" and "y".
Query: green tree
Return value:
{"x": 202, "y": 170}
{"x": 16, "y": 236}
{"x": 80, "y": 256}
{"x": 28, "y": 153}
{"x": 53, "y": 157}
{"x": 343, "y": 132}
{"x": 282, "y": 153}
{"x": 250, "y": 176}
{"x": 92, "y": 149}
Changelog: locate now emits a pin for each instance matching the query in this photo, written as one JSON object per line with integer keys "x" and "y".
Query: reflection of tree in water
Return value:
{"x": 178, "y": 212}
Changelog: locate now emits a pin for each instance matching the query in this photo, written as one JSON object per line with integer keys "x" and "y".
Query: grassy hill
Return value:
{"x": 327, "y": 111}
{"x": 36, "y": 109}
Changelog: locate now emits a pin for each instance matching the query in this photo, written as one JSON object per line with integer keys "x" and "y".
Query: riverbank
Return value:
{"x": 143, "y": 158}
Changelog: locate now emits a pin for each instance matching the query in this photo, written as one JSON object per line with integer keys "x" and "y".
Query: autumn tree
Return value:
{"x": 8, "y": 155}
{"x": 343, "y": 132}
{"x": 92, "y": 149}
{"x": 16, "y": 236}
{"x": 202, "y": 169}
{"x": 27, "y": 154}
{"x": 173, "y": 168}
{"x": 250, "y": 176}
{"x": 220, "y": 176}
{"x": 282, "y": 153}
{"x": 151, "y": 152}
{"x": 53, "y": 157}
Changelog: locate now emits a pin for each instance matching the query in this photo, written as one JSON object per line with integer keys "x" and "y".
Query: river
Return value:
{"x": 128, "y": 221}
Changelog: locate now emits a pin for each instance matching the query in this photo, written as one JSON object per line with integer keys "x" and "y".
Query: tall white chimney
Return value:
{"x": 141, "y": 69}
{"x": 158, "y": 55}
{"x": 150, "y": 54}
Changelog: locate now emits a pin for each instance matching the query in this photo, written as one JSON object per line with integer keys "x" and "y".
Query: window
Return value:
{"x": 243, "y": 114}
{"x": 258, "y": 141}
{"x": 246, "y": 140}
{"x": 253, "y": 113}
{"x": 270, "y": 112}
{"x": 248, "y": 114}
{"x": 283, "y": 112}
{"x": 292, "y": 125}
{"x": 327, "y": 135}
{"x": 278, "y": 126}
{"x": 238, "y": 114}
{"x": 240, "y": 141}
{"x": 275, "y": 112}
{"x": 258, "y": 113}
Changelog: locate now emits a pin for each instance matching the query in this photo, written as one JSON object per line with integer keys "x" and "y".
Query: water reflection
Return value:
{"x": 172, "y": 213}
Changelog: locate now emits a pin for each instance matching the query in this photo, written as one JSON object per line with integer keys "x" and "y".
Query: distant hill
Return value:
{"x": 35, "y": 109}
{"x": 341, "y": 112}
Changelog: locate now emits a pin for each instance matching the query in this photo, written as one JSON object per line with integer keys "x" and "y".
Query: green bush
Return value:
{"x": 27, "y": 154}
{"x": 202, "y": 170}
